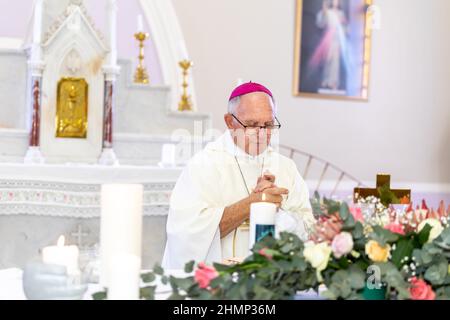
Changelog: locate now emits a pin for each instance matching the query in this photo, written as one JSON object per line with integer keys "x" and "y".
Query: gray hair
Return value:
{"x": 232, "y": 105}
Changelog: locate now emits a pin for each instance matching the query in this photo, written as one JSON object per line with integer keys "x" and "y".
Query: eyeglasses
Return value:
{"x": 254, "y": 128}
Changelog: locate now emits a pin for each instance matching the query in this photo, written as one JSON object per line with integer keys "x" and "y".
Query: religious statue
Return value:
{"x": 71, "y": 110}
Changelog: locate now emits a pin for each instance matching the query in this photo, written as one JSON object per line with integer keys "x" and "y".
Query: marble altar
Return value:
{"x": 36, "y": 207}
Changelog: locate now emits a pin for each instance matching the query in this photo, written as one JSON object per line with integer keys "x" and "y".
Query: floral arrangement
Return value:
{"x": 367, "y": 251}
{"x": 377, "y": 251}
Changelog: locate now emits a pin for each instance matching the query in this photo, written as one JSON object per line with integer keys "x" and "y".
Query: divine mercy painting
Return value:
{"x": 332, "y": 49}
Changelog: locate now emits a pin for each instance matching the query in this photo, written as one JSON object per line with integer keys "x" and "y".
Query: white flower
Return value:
{"x": 317, "y": 255}
{"x": 436, "y": 228}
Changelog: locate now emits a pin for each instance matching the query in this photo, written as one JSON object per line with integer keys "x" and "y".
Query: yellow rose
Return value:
{"x": 436, "y": 228}
{"x": 317, "y": 255}
{"x": 376, "y": 252}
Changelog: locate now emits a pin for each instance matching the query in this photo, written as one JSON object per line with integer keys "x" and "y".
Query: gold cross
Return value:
{"x": 383, "y": 181}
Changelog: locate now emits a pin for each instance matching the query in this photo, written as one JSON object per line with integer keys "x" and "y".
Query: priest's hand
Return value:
{"x": 235, "y": 214}
{"x": 273, "y": 194}
{"x": 265, "y": 182}
{"x": 263, "y": 185}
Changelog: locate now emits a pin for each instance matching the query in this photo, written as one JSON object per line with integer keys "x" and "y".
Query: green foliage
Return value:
{"x": 277, "y": 268}
{"x": 148, "y": 277}
{"x": 189, "y": 267}
{"x": 404, "y": 248}
{"x": 99, "y": 295}
{"x": 424, "y": 234}
{"x": 148, "y": 293}
{"x": 383, "y": 236}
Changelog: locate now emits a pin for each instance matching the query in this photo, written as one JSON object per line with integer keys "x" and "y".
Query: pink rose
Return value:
{"x": 420, "y": 290}
{"x": 264, "y": 253}
{"x": 395, "y": 228}
{"x": 342, "y": 244}
{"x": 357, "y": 214}
{"x": 204, "y": 274}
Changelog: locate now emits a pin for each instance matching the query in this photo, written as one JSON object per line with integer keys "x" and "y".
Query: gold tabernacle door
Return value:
{"x": 72, "y": 108}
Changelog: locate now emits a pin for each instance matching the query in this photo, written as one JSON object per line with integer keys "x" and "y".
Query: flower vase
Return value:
{"x": 374, "y": 293}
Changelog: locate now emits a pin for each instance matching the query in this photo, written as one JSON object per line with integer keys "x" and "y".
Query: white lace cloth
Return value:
{"x": 74, "y": 190}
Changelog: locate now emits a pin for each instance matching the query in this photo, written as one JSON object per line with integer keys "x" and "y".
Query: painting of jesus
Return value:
{"x": 332, "y": 50}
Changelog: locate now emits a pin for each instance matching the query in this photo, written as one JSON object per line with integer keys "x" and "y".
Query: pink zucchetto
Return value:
{"x": 247, "y": 88}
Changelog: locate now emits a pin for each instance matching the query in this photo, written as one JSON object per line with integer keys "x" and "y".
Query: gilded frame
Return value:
{"x": 364, "y": 62}
{"x": 72, "y": 108}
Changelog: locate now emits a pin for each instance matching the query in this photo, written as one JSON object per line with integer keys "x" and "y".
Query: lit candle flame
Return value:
{"x": 263, "y": 198}
{"x": 61, "y": 241}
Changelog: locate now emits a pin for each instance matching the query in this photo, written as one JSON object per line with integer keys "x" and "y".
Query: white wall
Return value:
{"x": 405, "y": 127}
{"x": 16, "y": 22}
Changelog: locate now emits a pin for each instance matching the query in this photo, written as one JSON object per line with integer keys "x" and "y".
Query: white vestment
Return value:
{"x": 212, "y": 181}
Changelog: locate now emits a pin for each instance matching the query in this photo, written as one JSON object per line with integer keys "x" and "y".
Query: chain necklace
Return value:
{"x": 246, "y": 223}
{"x": 242, "y": 174}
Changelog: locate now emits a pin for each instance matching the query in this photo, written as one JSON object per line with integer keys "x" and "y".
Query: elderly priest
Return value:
{"x": 210, "y": 204}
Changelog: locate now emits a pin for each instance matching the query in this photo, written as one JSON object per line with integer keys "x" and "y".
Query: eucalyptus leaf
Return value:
{"x": 148, "y": 277}
{"x": 357, "y": 281}
{"x": 262, "y": 293}
{"x": 148, "y": 293}
{"x": 158, "y": 270}
{"x": 176, "y": 296}
{"x": 99, "y": 295}
{"x": 330, "y": 294}
{"x": 189, "y": 267}
{"x": 437, "y": 273}
{"x": 182, "y": 283}
{"x": 358, "y": 231}
{"x": 383, "y": 236}
{"x": 444, "y": 237}
{"x": 349, "y": 223}
{"x": 344, "y": 211}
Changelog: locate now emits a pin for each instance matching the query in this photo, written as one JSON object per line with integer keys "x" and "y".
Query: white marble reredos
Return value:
{"x": 13, "y": 89}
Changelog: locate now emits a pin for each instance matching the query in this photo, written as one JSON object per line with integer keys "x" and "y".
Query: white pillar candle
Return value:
{"x": 125, "y": 277}
{"x": 140, "y": 23}
{"x": 62, "y": 255}
{"x": 262, "y": 221}
{"x": 120, "y": 226}
{"x": 112, "y": 25}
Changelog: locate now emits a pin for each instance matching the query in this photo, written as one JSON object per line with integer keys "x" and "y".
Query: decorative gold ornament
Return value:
{"x": 72, "y": 108}
{"x": 141, "y": 75}
{"x": 185, "y": 103}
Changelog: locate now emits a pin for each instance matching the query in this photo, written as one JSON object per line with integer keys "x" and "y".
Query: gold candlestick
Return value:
{"x": 141, "y": 75}
{"x": 185, "y": 103}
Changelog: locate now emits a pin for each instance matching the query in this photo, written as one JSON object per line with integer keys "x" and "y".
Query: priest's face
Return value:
{"x": 254, "y": 110}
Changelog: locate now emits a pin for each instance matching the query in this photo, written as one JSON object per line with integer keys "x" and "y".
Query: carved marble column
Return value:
{"x": 36, "y": 68}
{"x": 111, "y": 71}
{"x": 36, "y": 112}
